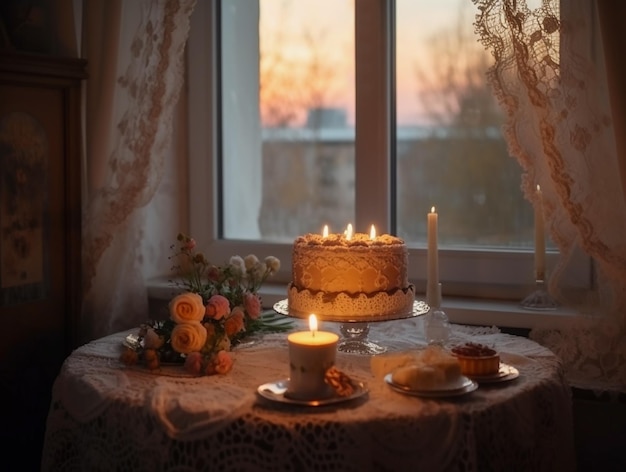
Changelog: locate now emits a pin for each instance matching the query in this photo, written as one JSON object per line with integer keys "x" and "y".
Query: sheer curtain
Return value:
{"x": 565, "y": 126}
{"x": 135, "y": 57}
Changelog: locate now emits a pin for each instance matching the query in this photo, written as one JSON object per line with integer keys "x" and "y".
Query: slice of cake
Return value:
{"x": 382, "y": 364}
{"x": 429, "y": 377}
{"x": 344, "y": 277}
{"x": 432, "y": 369}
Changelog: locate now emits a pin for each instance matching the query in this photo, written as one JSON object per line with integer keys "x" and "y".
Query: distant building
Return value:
{"x": 326, "y": 117}
{"x": 309, "y": 181}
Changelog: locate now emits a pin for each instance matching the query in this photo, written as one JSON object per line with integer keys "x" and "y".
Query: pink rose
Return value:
{"x": 217, "y": 307}
{"x": 193, "y": 362}
{"x": 213, "y": 274}
{"x": 223, "y": 363}
{"x": 188, "y": 337}
{"x": 252, "y": 304}
{"x": 187, "y": 308}
{"x": 235, "y": 322}
{"x": 190, "y": 244}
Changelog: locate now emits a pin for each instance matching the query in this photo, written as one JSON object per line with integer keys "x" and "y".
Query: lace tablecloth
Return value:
{"x": 105, "y": 416}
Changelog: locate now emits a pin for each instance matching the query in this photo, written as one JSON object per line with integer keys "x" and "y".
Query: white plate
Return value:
{"x": 275, "y": 392}
{"x": 504, "y": 374}
{"x": 468, "y": 386}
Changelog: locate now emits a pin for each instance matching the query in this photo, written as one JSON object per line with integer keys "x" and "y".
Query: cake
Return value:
{"x": 477, "y": 359}
{"x": 434, "y": 369}
{"x": 340, "y": 277}
{"x": 382, "y": 364}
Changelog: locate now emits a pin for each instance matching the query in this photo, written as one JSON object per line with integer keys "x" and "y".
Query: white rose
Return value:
{"x": 237, "y": 265}
{"x": 273, "y": 263}
{"x": 251, "y": 261}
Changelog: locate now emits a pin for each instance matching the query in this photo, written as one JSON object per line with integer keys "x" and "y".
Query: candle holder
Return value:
{"x": 539, "y": 299}
{"x": 355, "y": 339}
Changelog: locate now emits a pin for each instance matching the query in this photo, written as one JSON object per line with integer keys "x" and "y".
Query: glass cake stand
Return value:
{"x": 355, "y": 329}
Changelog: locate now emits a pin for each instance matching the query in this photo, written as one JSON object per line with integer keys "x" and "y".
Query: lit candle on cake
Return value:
{"x": 311, "y": 354}
{"x": 432, "y": 283}
{"x": 373, "y": 232}
{"x": 348, "y": 232}
{"x": 540, "y": 242}
{"x": 325, "y": 231}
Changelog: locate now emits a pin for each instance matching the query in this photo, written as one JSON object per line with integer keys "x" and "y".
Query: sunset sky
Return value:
{"x": 307, "y": 49}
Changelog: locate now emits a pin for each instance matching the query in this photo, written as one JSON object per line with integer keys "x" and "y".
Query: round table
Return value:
{"x": 107, "y": 416}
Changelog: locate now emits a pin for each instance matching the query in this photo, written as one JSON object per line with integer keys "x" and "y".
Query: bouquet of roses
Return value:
{"x": 216, "y": 307}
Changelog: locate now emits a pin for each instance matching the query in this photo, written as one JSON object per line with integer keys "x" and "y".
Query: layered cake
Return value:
{"x": 477, "y": 359}
{"x": 434, "y": 369}
{"x": 361, "y": 276}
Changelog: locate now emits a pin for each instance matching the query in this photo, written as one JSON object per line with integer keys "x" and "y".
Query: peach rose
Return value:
{"x": 217, "y": 307}
{"x": 234, "y": 323}
{"x": 252, "y": 304}
{"x": 188, "y": 337}
{"x": 223, "y": 363}
{"x": 187, "y": 308}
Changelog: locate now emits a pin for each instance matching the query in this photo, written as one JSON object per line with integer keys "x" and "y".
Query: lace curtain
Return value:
{"x": 135, "y": 59}
{"x": 551, "y": 79}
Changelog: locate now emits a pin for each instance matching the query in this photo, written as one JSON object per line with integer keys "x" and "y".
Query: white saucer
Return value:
{"x": 468, "y": 386}
{"x": 275, "y": 392}
{"x": 504, "y": 374}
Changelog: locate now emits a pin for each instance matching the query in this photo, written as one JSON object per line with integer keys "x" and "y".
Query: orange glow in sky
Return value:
{"x": 307, "y": 54}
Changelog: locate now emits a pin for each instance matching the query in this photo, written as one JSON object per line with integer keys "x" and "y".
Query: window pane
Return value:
{"x": 297, "y": 169}
{"x": 451, "y": 152}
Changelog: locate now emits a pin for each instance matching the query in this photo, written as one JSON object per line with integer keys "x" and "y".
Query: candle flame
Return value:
{"x": 313, "y": 324}
{"x": 325, "y": 231}
{"x": 432, "y": 210}
{"x": 373, "y": 232}
{"x": 348, "y": 232}
{"x": 538, "y": 188}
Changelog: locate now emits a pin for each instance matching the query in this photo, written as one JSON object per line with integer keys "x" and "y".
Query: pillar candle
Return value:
{"x": 540, "y": 242}
{"x": 311, "y": 354}
{"x": 432, "y": 282}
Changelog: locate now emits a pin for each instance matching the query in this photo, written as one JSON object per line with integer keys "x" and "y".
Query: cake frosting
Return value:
{"x": 340, "y": 277}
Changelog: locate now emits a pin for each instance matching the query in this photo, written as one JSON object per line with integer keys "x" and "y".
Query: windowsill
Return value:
{"x": 470, "y": 311}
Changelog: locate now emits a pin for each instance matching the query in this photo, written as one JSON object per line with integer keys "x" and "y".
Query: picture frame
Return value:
{"x": 40, "y": 194}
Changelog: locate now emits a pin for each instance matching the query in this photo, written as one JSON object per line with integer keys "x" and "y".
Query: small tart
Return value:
{"x": 477, "y": 359}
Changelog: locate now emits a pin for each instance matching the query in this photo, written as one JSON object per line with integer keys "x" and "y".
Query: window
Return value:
{"x": 307, "y": 113}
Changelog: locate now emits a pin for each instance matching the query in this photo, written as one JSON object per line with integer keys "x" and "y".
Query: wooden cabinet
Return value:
{"x": 40, "y": 237}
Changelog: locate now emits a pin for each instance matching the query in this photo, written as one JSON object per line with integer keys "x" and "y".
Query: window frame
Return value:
{"x": 475, "y": 273}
